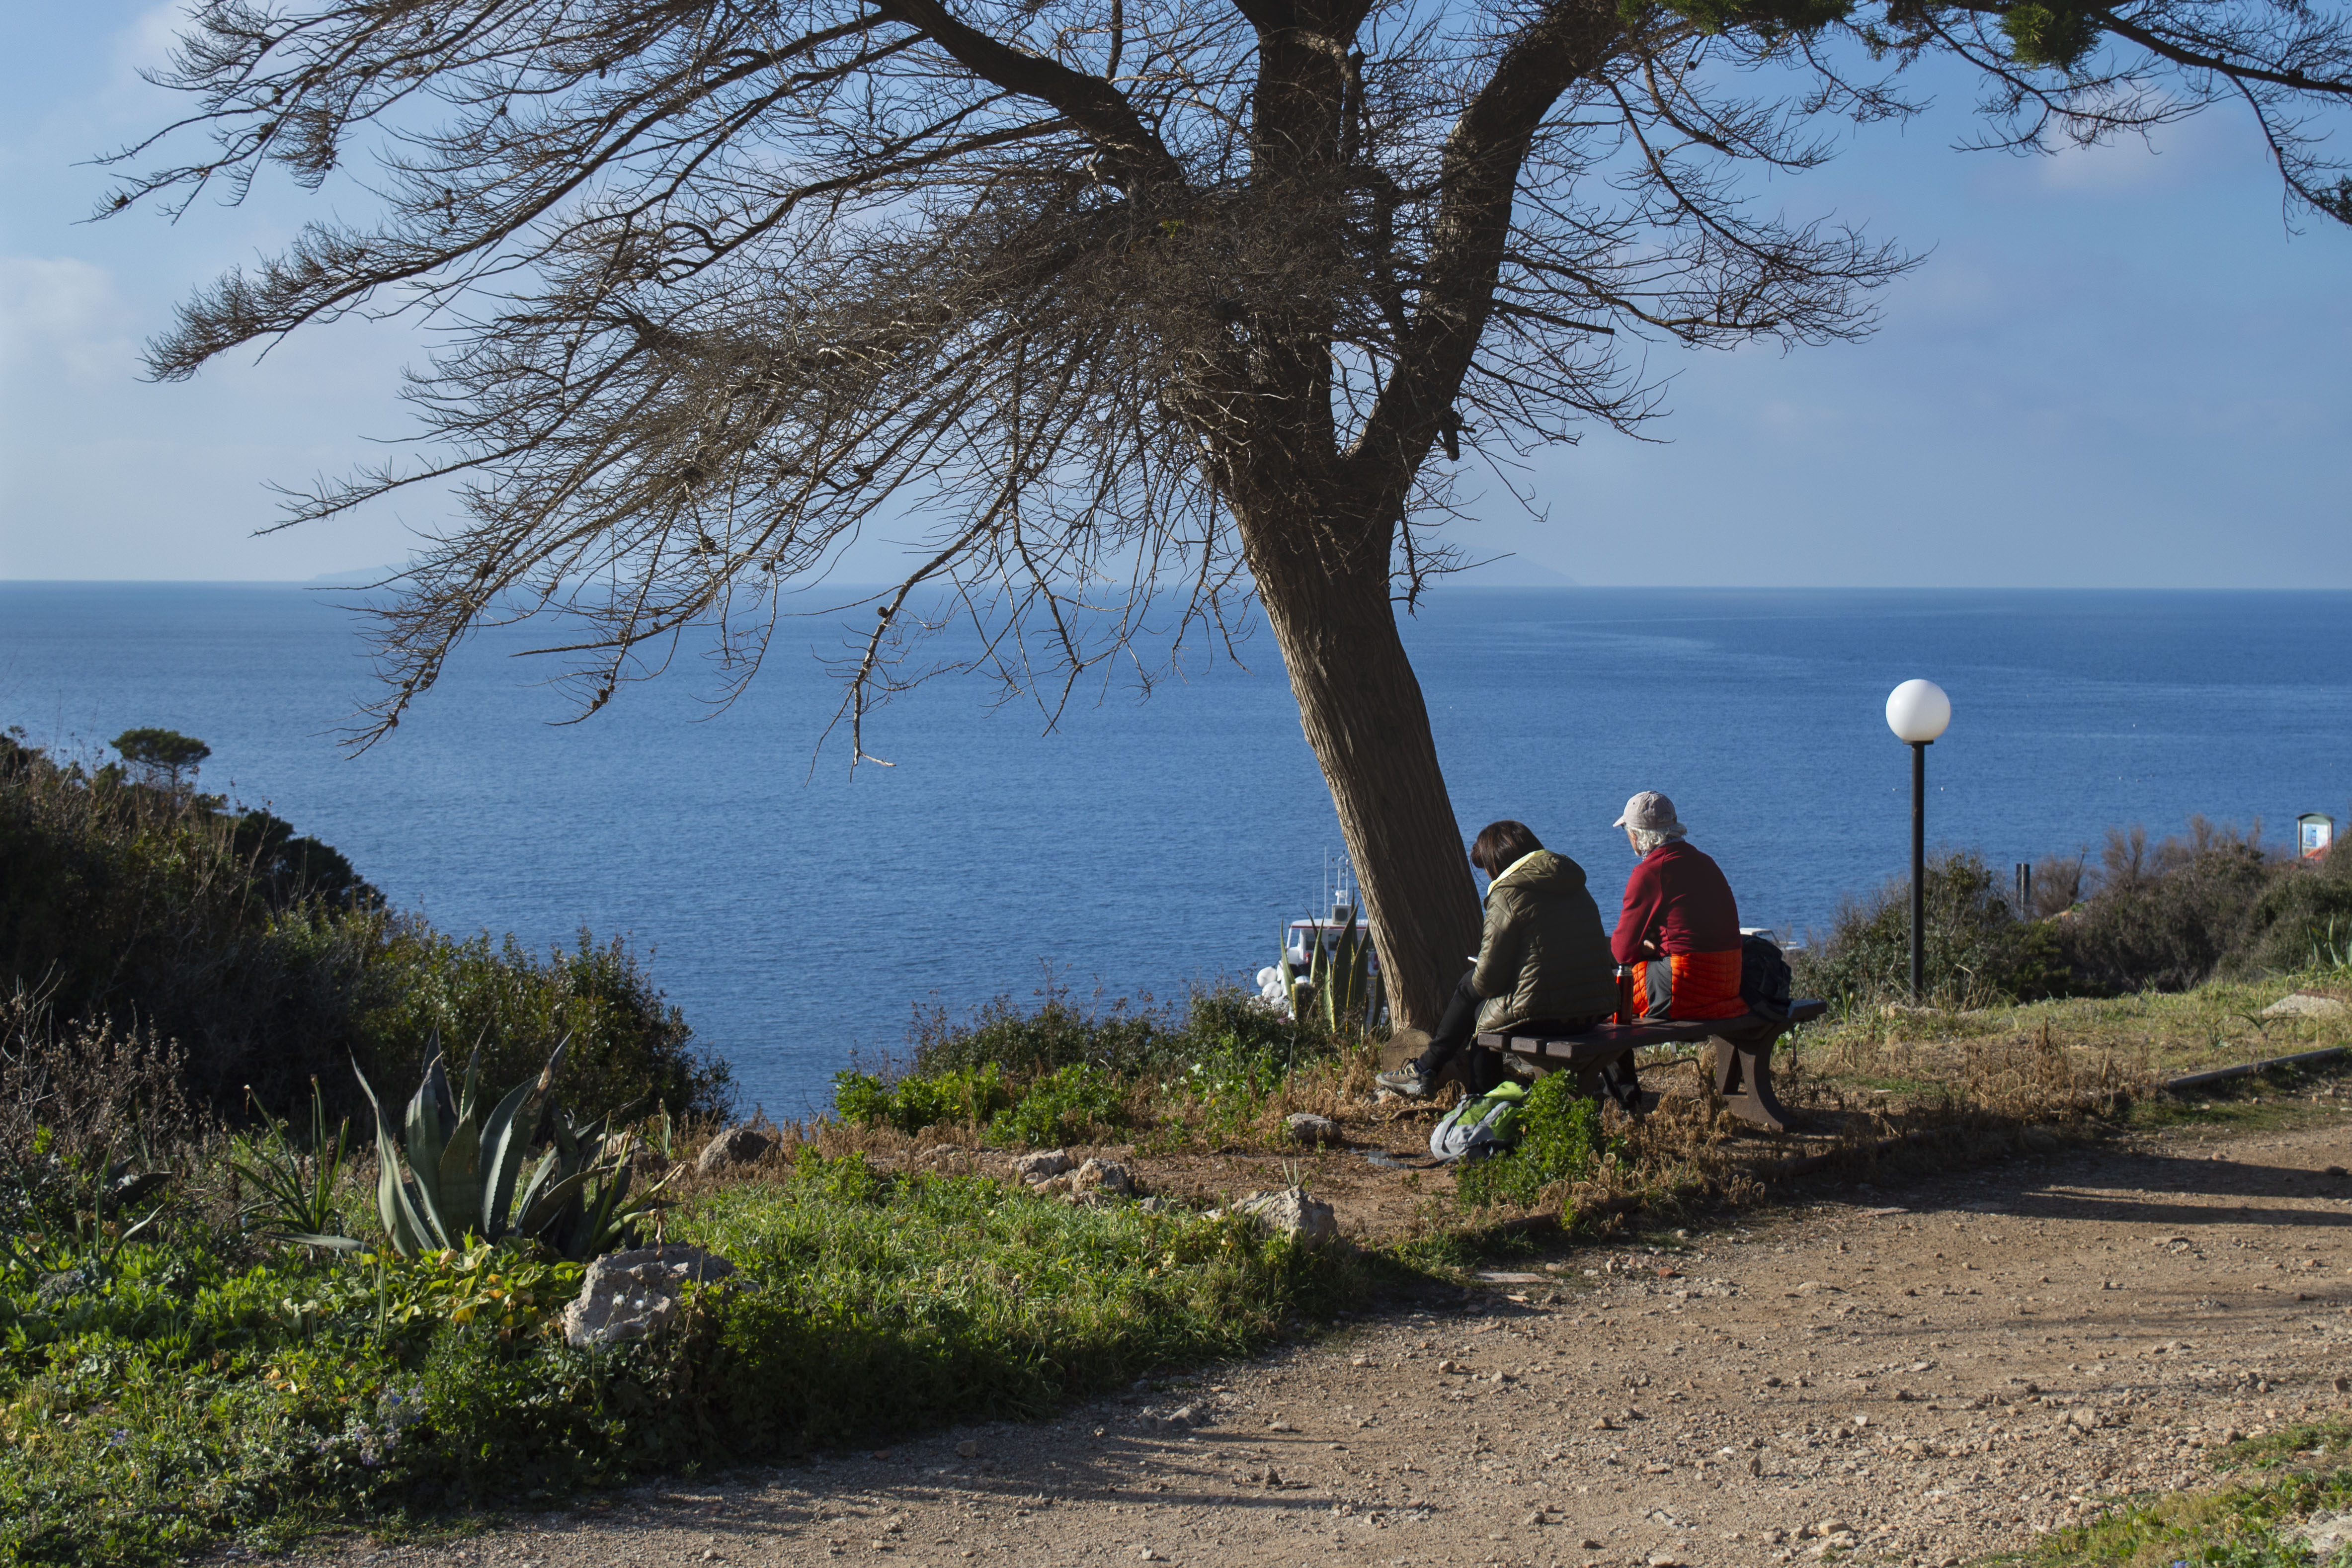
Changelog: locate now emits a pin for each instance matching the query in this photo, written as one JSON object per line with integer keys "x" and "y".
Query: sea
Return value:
{"x": 801, "y": 912}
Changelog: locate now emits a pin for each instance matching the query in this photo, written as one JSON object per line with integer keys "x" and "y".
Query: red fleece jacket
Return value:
{"x": 1678, "y": 898}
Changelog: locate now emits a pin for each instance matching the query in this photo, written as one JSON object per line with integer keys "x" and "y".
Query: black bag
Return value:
{"x": 1764, "y": 979}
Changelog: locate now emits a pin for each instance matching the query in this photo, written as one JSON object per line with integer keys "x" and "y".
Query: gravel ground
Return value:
{"x": 1916, "y": 1375}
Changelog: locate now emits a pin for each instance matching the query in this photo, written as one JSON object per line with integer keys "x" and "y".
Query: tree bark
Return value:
{"x": 1362, "y": 709}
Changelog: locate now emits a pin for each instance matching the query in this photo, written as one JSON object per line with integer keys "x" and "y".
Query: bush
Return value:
{"x": 1977, "y": 950}
{"x": 1023, "y": 1044}
{"x": 1559, "y": 1140}
{"x": 2167, "y": 917}
{"x": 1078, "y": 1104}
{"x": 264, "y": 957}
{"x": 1057, "y": 1074}
{"x": 960, "y": 1097}
{"x": 2302, "y": 919}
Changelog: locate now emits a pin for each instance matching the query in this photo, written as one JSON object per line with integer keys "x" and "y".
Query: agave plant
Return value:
{"x": 457, "y": 1173}
{"x": 1343, "y": 979}
{"x": 600, "y": 1215}
{"x": 295, "y": 1192}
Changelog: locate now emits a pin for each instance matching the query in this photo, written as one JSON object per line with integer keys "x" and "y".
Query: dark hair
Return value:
{"x": 1500, "y": 843}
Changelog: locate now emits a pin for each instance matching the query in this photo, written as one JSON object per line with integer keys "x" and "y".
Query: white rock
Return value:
{"x": 1104, "y": 1176}
{"x": 1042, "y": 1165}
{"x": 1290, "y": 1212}
{"x": 736, "y": 1146}
{"x": 2325, "y": 1533}
{"x": 634, "y": 1295}
{"x": 2304, "y": 1005}
{"x": 1306, "y": 1127}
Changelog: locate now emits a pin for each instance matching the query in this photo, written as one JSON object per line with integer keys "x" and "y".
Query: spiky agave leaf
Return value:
{"x": 506, "y": 1139}
{"x": 403, "y": 1218}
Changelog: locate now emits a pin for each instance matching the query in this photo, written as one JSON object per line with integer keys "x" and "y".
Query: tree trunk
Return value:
{"x": 1362, "y": 709}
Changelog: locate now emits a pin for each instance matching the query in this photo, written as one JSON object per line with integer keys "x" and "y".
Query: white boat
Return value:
{"x": 1304, "y": 941}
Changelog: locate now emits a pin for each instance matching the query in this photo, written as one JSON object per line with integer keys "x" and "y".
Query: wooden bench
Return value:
{"x": 1741, "y": 1064}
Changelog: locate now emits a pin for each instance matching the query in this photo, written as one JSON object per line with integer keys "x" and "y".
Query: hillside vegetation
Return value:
{"x": 140, "y": 904}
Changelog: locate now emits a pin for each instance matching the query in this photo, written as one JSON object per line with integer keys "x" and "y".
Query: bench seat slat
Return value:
{"x": 1743, "y": 1053}
{"x": 1607, "y": 1040}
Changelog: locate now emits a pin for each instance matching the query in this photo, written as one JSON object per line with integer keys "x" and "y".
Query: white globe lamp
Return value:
{"x": 1918, "y": 712}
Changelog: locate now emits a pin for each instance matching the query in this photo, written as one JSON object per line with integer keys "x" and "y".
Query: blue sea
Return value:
{"x": 797, "y": 913}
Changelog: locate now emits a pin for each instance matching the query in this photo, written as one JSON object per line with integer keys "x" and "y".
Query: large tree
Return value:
{"x": 1140, "y": 307}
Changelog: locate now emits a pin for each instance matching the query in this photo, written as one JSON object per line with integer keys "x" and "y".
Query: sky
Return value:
{"x": 2114, "y": 368}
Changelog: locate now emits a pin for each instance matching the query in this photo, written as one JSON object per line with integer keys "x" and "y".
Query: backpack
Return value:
{"x": 1476, "y": 1129}
{"x": 1764, "y": 978}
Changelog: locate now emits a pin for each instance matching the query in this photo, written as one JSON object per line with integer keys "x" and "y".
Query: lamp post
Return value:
{"x": 1918, "y": 712}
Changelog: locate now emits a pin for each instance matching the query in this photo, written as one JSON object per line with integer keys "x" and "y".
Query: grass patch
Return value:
{"x": 193, "y": 1387}
{"x": 2287, "y": 1477}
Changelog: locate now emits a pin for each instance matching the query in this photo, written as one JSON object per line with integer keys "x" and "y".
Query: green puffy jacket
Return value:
{"x": 1545, "y": 955}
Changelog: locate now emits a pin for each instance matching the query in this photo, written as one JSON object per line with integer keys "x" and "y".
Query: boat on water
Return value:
{"x": 1327, "y": 949}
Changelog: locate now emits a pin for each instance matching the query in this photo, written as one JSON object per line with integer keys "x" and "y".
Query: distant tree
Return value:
{"x": 161, "y": 755}
{"x": 290, "y": 870}
{"x": 1148, "y": 305}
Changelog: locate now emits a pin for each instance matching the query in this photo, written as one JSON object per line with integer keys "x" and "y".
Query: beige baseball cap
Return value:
{"x": 1649, "y": 811}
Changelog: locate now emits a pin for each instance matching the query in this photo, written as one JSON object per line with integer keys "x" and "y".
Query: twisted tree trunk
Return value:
{"x": 1325, "y": 586}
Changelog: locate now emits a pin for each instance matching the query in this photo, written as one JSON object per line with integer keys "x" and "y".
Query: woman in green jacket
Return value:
{"x": 1544, "y": 964}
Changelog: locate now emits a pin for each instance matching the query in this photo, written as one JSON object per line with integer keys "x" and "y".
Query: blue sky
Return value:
{"x": 2115, "y": 368}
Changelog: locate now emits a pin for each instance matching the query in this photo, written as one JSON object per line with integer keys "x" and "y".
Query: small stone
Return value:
{"x": 967, "y": 1449}
{"x": 1306, "y": 1127}
{"x": 2304, "y": 1005}
{"x": 736, "y": 1146}
{"x": 1046, "y": 1162}
{"x": 1105, "y": 1177}
{"x": 634, "y": 1295}
{"x": 1288, "y": 1211}
{"x": 1832, "y": 1527}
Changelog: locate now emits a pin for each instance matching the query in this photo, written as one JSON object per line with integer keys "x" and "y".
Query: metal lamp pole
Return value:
{"x": 1919, "y": 871}
{"x": 1918, "y": 712}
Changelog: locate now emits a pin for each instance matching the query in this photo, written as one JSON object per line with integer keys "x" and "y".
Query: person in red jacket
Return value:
{"x": 1680, "y": 928}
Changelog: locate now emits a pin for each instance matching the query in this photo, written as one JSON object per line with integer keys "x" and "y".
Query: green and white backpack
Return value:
{"x": 1478, "y": 1128}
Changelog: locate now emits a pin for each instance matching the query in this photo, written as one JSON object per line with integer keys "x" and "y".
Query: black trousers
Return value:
{"x": 1483, "y": 1070}
{"x": 1454, "y": 1028}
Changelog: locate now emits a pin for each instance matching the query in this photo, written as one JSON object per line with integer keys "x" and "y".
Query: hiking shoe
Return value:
{"x": 1406, "y": 1080}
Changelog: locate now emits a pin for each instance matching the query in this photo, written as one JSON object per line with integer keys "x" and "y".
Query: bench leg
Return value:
{"x": 1743, "y": 1076}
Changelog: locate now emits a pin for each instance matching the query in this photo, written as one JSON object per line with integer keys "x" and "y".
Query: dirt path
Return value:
{"x": 1940, "y": 1370}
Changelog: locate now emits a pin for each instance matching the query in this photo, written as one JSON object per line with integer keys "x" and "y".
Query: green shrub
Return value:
{"x": 1977, "y": 950}
{"x": 2301, "y": 919}
{"x": 1559, "y": 1140}
{"x": 1055, "y": 1035}
{"x": 955, "y": 1097}
{"x": 2167, "y": 917}
{"x": 1078, "y": 1104}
